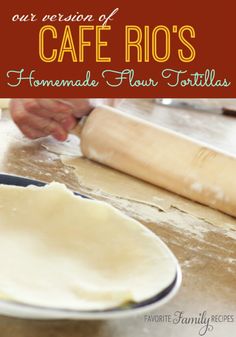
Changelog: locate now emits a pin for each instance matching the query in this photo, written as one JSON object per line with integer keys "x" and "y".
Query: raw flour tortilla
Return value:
{"x": 60, "y": 250}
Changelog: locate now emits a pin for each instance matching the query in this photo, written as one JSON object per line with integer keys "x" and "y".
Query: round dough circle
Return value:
{"x": 62, "y": 251}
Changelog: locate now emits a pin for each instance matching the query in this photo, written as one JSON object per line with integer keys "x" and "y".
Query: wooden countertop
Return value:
{"x": 205, "y": 247}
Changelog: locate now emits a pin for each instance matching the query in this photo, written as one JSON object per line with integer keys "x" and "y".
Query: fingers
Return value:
{"x": 62, "y": 112}
{"x": 45, "y": 126}
{"x": 34, "y": 126}
{"x": 43, "y": 117}
{"x": 31, "y": 133}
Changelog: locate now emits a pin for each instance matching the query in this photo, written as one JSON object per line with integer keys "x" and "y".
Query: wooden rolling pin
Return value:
{"x": 161, "y": 157}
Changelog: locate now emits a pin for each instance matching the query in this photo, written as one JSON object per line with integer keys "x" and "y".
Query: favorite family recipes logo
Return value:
{"x": 112, "y": 49}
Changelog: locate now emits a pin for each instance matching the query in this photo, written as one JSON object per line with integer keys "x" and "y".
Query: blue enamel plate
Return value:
{"x": 16, "y": 309}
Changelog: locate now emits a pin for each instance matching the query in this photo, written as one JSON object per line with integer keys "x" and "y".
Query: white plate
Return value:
{"x": 15, "y": 309}
{"x": 33, "y": 312}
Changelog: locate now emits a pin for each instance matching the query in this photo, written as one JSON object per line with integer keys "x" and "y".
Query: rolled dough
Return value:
{"x": 60, "y": 250}
{"x": 106, "y": 182}
{"x": 101, "y": 181}
{"x": 162, "y": 157}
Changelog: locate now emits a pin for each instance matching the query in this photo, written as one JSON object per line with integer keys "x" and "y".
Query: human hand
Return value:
{"x": 43, "y": 117}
